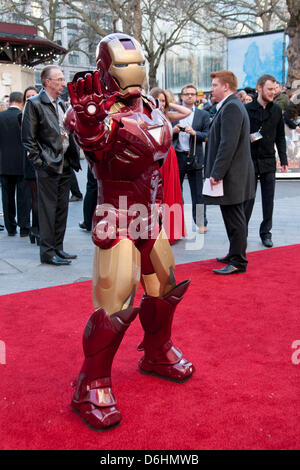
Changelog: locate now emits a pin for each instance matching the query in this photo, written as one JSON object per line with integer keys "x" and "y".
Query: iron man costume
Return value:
{"x": 125, "y": 138}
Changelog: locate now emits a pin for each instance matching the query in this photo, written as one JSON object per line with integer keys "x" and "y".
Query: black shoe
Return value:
{"x": 84, "y": 227}
{"x": 1, "y": 227}
{"x": 62, "y": 254}
{"x": 34, "y": 235}
{"x": 11, "y": 234}
{"x": 225, "y": 260}
{"x": 229, "y": 269}
{"x": 75, "y": 198}
{"x": 267, "y": 242}
{"x": 24, "y": 232}
{"x": 56, "y": 261}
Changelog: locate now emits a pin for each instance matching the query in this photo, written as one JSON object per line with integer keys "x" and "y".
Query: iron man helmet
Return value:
{"x": 121, "y": 63}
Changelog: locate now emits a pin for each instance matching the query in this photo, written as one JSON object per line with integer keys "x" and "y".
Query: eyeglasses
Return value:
{"x": 61, "y": 79}
{"x": 189, "y": 94}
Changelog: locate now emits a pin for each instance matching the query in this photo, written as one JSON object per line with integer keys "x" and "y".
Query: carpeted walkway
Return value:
{"x": 238, "y": 330}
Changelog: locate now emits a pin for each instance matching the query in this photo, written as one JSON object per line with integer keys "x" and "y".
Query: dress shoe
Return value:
{"x": 75, "y": 198}
{"x": 56, "y": 261}
{"x": 12, "y": 234}
{"x": 229, "y": 269}
{"x": 1, "y": 227}
{"x": 62, "y": 254}
{"x": 267, "y": 242}
{"x": 84, "y": 227}
{"x": 24, "y": 232}
{"x": 225, "y": 260}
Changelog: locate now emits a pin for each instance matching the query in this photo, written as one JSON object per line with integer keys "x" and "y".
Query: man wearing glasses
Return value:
{"x": 53, "y": 152}
{"x": 188, "y": 137}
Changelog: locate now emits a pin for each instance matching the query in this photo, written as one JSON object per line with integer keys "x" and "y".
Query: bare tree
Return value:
{"x": 293, "y": 50}
{"x": 47, "y": 16}
{"x": 146, "y": 20}
{"x": 234, "y": 17}
{"x": 42, "y": 15}
{"x": 159, "y": 25}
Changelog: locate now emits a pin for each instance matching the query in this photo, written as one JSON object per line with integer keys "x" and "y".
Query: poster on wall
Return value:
{"x": 251, "y": 56}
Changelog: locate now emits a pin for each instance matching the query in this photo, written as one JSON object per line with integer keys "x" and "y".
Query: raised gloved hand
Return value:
{"x": 88, "y": 100}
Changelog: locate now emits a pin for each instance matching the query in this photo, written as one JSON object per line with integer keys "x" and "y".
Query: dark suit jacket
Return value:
{"x": 41, "y": 135}
{"x": 29, "y": 171}
{"x": 228, "y": 154}
{"x": 11, "y": 148}
{"x": 201, "y": 126}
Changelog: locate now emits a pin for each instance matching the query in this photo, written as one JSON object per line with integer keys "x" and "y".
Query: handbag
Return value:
{"x": 192, "y": 160}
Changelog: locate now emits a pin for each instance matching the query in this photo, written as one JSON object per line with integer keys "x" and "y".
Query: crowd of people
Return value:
{"x": 41, "y": 212}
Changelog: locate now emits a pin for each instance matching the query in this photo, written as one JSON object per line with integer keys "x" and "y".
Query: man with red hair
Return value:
{"x": 229, "y": 161}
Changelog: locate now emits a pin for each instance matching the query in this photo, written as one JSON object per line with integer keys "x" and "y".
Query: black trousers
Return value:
{"x": 74, "y": 186}
{"x": 236, "y": 228}
{"x": 53, "y": 201}
{"x": 16, "y": 200}
{"x": 267, "y": 185}
{"x": 195, "y": 180}
{"x": 90, "y": 199}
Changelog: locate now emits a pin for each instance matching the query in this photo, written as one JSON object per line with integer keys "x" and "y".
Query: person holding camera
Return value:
{"x": 188, "y": 137}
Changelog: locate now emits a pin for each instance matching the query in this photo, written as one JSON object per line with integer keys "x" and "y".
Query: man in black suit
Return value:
{"x": 229, "y": 160}
{"x": 188, "y": 136}
{"x": 12, "y": 169}
{"x": 53, "y": 152}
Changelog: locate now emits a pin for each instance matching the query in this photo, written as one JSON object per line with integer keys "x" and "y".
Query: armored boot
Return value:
{"x": 160, "y": 356}
{"x": 93, "y": 397}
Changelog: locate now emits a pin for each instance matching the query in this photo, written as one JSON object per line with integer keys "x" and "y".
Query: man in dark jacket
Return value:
{"x": 12, "y": 169}
{"x": 188, "y": 136}
{"x": 53, "y": 152}
{"x": 267, "y": 130}
{"x": 229, "y": 163}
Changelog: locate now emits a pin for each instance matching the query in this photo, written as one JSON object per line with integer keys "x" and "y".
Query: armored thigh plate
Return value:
{"x": 116, "y": 276}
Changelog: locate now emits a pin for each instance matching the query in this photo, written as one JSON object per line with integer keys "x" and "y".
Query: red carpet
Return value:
{"x": 238, "y": 330}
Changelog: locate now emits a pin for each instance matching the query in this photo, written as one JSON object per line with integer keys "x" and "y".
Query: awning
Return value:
{"x": 20, "y": 45}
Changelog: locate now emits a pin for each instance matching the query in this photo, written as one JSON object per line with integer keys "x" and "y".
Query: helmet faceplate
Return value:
{"x": 121, "y": 63}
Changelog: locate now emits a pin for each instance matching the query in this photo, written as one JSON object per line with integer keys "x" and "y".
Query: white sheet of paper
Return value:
{"x": 214, "y": 191}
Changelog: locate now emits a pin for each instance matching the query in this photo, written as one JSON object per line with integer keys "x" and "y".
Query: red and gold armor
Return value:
{"x": 126, "y": 139}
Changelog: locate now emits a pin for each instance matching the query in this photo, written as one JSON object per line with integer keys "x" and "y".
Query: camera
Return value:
{"x": 182, "y": 129}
